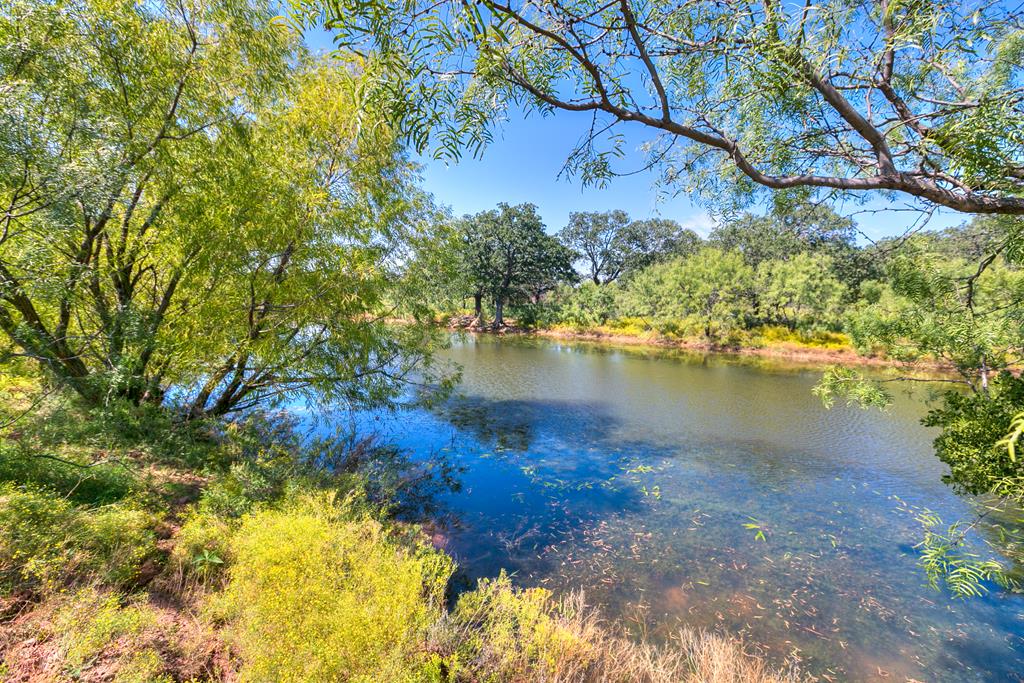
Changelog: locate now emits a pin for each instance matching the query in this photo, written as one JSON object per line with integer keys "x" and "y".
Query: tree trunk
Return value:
{"x": 478, "y": 309}
{"x": 499, "y": 306}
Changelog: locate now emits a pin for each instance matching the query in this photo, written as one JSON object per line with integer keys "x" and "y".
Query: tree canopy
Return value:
{"x": 192, "y": 202}
{"x": 610, "y": 245}
{"x": 917, "y": 98}
{"x": 508, "y": 257}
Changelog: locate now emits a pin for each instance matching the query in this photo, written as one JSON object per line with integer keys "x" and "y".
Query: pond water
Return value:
{"x": 710, "y": 492}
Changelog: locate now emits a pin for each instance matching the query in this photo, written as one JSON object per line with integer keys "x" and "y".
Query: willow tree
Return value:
{"x": 191, "y": 202}
{"x": 923, "y": 99}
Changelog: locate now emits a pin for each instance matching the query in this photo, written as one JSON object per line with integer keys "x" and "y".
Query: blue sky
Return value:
{"x": 524, "y": 162}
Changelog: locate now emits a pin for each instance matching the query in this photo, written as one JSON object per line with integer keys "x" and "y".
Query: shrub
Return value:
{"x": 535, "y": 315}
{"x": 587, "y": 306}
{"x": 45, "y": 540}
{"x": 202, "y": 546}
{"x": 779, "y": 334}
{"x": 511, "y": 633}
{"x": 630, "y": 326}
{"x": 36, "y": 537}
{"x": 92, "y": 485}
{"x": 349, "y": 601}
{"x": 245, "y": 484}
{"x": 972, "y": 427}
{"x": 91, "y": 621}
{"x": 144, "y": 666}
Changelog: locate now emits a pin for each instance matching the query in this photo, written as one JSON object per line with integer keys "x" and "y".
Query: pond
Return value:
{"x": 711, "y": 492}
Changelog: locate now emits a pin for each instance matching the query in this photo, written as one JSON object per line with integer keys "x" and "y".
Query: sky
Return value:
{"x": 524, "y": 164}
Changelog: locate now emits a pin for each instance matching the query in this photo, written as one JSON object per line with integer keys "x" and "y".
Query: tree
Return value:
{"x": 510, "y": 257}
{"x": 972, "y": 241}
{"x": 710, "y": 290}
{"x": 967, "y": 317}
{"x": 936, "y": 309}
{"x": 106, "y": 107}
{"x": 653, "y": 293}
{"x": 784, "y": 232}
{"x": 192, "y": 202}
{"x": 612, "y": 246}
{"x": 587, "y": 305}
{"x": 598, "y": 239}
{"x": 476, "y": 258}
{"x": 800, "y": 292}
{"x": 917, "y": 98}
{"x": 653, "y": 240}
{"x": 715, "y": 290}
{"x": 550, "y": 268}
{"x": 790, "y": 229}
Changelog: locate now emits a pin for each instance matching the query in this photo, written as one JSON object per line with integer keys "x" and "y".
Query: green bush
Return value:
{"x": 972, "y": 425}
{"x": 91, "y": 620}
{"x": 509, "y": 633}
{"x": 245, "y": 484}
{"x": 587, "y": 306}
{"x": 93, "y": 485}
{"x": 350, "y": 601}
{"x": 44, "y": 540}
{"x": 202, "y": 546}
{"x": 36, "y": 537}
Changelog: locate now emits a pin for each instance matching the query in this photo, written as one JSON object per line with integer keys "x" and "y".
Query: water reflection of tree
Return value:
{"x": 508, "y": 429}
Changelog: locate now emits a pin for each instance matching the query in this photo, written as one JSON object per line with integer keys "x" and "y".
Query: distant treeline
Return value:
{"x": 798, "y": 267}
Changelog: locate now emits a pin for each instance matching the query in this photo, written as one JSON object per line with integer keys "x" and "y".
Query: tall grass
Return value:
{"x": 502, "y": 633}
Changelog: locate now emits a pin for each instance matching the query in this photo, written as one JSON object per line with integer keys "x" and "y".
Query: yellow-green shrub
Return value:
{"x": 202, "y": 546}
{"x": 36, "y": 537}
{"x": 778, "y": 334}
{"x": 144, "y": 666}
{"x": 91, "y": 621}
{"x": 316, "y": 595}
{"x": 636, "y": 327}
{"x": 45, "y": 540}
{"x": 509, "y": 632}
{"x": 115, "y": 540}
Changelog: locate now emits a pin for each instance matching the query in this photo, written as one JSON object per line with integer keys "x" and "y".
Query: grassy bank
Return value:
{"x": 137, "y": 548}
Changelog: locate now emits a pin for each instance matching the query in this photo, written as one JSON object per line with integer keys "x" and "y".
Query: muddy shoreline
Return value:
{"x": 801, "y": 354}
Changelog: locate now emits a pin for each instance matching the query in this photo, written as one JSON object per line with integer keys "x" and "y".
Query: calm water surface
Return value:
{"x": 645, "y": 477}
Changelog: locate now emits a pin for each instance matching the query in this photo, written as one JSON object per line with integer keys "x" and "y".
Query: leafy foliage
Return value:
{"x": 45, "y": 541}
{"x": 919, "y": 98}
{"x": 974, "y": 427}
{"x": 948, "y": 563}
{"x": 507, "y": 256}
{"x": 196, "y": 203}
{"x": 350, "y": 602}
{"x": 611, "y": 246}
{"x": 800, "y": 292}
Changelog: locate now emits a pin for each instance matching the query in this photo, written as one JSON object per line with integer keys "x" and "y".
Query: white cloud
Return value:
{"x": 701, "y": 223}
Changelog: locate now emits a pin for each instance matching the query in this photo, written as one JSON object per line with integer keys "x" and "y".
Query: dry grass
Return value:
{"x": 503, "y": 633}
